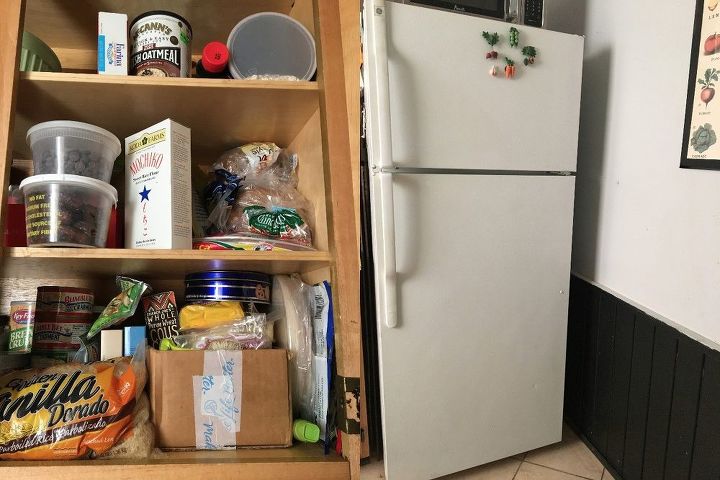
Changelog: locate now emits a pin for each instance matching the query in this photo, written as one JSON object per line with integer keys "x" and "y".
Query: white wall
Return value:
{"x": 644, "y": 228}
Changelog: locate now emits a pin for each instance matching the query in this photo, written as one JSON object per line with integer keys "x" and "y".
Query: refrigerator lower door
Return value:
{"x": 474, "y": 369}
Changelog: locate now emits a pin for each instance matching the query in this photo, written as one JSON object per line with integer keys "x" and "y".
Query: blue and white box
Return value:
{"x": 112, "y": 44}
{"x": 133, "y": 337}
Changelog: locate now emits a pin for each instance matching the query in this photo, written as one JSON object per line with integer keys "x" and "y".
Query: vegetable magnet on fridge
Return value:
{"x": 509, "y": 68}
{"x": 530, "y": 53}
{"x": 492, "y": 39}
{"x": 514, "y": 37}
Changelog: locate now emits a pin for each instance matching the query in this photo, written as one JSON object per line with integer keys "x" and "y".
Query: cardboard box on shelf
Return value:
{"x": 158, "y": 203}
{"x": 215, "y": 399}
{"x": 112, "y": 44}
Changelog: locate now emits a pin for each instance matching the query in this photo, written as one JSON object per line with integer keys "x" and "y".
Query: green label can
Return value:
{"x": 22, "y": 320}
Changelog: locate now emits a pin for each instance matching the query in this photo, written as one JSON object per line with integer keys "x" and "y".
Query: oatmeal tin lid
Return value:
{"x": 161, "y": 12}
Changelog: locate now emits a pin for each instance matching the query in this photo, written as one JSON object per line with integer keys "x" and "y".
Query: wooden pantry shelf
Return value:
{"x": 221, "y": 113}
{"x": 299, "y": 461}
{"x": 69, "y": 25}
{"x": 49, "y": 263}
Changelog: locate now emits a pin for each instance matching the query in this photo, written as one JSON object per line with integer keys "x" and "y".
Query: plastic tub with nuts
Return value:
{"x": 65, "y": 147}
{"x": 67, "y": 210}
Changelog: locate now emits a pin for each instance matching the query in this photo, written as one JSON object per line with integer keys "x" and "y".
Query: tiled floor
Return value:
{"x": 567, "y": 460}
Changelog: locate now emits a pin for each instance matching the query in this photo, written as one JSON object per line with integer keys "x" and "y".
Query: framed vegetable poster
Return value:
{"x": 701, "y": 142}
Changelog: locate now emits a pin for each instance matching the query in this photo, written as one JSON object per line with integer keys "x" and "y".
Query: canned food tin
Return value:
{"x": 160, "y": 45}
{"x": 22, "y": 319}
{"x": 247, "y": 287}
{"x": 62, "y": 316}
{"x": 64, "y": 300}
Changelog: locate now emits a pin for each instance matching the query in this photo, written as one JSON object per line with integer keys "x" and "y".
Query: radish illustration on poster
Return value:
{"x": 701, "y": 145}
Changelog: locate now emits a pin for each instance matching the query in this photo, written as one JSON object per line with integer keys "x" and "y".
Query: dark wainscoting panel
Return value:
{"x": 643, "y": 394}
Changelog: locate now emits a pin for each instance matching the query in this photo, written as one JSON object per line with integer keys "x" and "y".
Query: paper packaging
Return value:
{"x": 264, "y": 413}
{"x": 158, "y": 199}
{"x": 111, "y": 344}
{"x": 161, "y": 317}
{"x": 112, "y": 44}
{"x": 132, "y": 337}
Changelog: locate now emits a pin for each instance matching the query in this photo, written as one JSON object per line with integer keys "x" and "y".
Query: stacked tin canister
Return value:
{"x": 252, "y": 289}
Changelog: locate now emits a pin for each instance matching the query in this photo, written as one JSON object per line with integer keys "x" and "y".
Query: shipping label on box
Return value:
{"x": 112, "y": 44}
{"x": 158, "y": 200}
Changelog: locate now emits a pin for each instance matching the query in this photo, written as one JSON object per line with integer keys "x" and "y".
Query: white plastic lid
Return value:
{"x": 69, "y": 128}
{"x": 71, "y": 180}
{"x": 271, "y": 43}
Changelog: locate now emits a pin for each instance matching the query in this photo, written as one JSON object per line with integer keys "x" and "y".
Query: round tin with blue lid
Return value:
{"x": 253, "y": 289}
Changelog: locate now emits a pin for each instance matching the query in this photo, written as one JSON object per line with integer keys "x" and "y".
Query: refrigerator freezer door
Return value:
{"x": 474, "y": 370}
{"x": 447, "y": 111}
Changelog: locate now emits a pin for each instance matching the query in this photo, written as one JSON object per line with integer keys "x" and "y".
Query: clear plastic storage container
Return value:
{"x": 67, "y": 210}
{"x": 271, "y": 45}
{"x": 64, "y": 147}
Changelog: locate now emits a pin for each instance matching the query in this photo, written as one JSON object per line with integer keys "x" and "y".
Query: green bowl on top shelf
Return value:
{"x": 36, "y": 56}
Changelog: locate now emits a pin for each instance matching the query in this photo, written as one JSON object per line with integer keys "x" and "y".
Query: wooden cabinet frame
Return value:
{"x": 338, "y": 262}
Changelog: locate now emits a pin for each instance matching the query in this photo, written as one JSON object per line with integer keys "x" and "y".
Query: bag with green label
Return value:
{"x": 278, "y": 214}
{"x": 253, "y": 196}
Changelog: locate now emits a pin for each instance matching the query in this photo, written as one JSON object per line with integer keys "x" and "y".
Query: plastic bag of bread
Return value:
{"x": 76, "y": 410}
{"x": 253, "y": 196}
{"x": 259, "y": 159}
{"x": 271, "y": 213}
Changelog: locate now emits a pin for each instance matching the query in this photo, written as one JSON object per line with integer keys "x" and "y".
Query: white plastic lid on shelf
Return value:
{"x": 71, "y": 180}
{"x": 69, "y": 128}
{"x": 271, "y": 43}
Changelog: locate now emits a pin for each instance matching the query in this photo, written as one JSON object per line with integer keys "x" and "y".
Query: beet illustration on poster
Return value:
{"x": 708, "y": 87}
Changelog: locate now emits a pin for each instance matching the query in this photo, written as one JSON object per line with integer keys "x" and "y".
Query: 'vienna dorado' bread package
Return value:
{"x": 76, "y": 410}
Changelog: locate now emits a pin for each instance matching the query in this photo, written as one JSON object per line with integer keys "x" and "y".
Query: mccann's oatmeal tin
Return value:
{"x": 161, "y": 45}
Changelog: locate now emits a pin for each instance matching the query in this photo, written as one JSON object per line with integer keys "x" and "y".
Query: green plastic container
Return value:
{"x": 36, "y": 56}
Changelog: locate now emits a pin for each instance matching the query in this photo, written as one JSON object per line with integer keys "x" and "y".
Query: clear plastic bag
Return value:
{"x": 263, "y": 212}
{"x": 76, "y": 411}
{"x": 254, "y": 195}
{"x": 292, "y": 312}
{"x": 259, "y": 162}
{"x": 253, "y": 332}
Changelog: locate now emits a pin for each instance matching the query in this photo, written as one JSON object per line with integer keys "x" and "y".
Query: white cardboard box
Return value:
{"x": 112, "y": 44}
{"x": 158, "y": 199}
{"x": 111, "y": 344}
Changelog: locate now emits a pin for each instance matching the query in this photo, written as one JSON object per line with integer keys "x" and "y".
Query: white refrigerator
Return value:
{"x": 472, "y": 189}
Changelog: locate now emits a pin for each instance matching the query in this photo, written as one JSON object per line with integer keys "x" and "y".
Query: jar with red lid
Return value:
{"x": 214, "y": 61}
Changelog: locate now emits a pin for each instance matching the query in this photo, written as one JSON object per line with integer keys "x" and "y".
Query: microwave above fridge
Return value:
{"x": 523, "y": 12}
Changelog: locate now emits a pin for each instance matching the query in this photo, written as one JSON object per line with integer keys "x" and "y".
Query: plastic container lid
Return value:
{"x": 71, "y": 180}
{"x": 69, "y": 128}
{"x": 215, "y": 56}
{"x": 271, "y": 43}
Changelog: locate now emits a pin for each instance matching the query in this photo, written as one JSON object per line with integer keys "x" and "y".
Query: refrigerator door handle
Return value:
{"x": 382, "y": 159}
{"x": 388, "y": 278}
